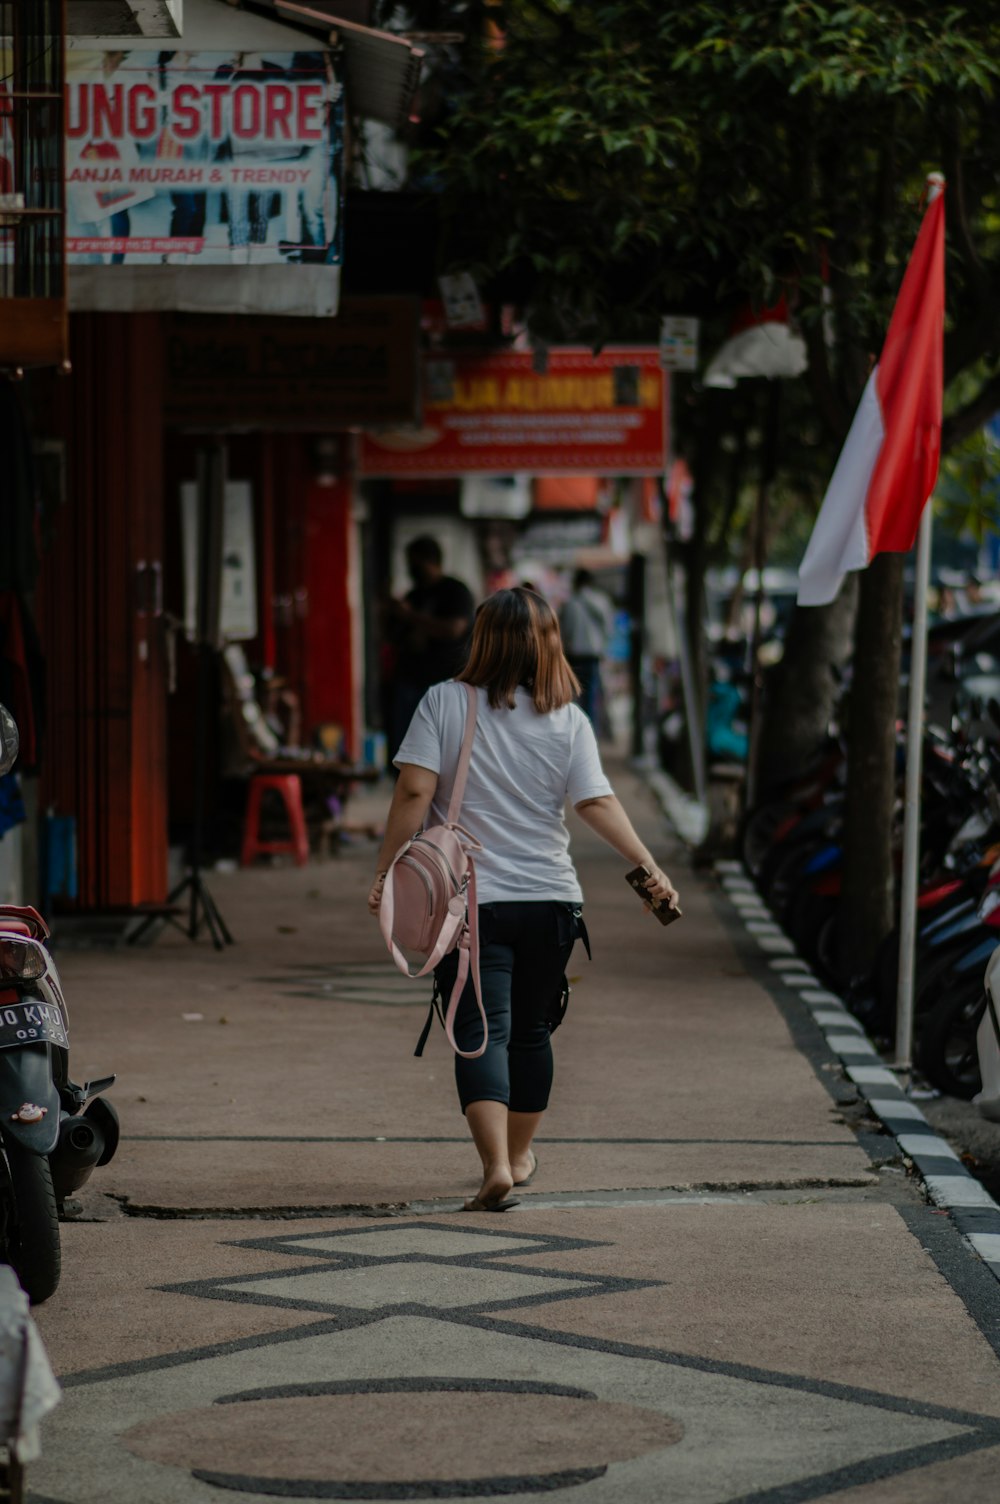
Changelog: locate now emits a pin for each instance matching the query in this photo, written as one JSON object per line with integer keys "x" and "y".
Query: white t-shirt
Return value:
{"x": 524, "y": 768}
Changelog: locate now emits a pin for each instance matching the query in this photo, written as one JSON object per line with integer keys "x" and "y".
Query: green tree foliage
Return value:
{"x": 630, "y": 159}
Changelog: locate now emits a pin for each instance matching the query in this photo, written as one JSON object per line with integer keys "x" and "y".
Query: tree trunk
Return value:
{"x": 801, "y": 692}
{"x": 868, "y": 898}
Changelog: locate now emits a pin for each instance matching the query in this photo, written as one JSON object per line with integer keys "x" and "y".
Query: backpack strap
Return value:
{"x": 465, "y": 756}
{"x": 468, "y": 960}
{"x": 435, "y": 1007}
{"x": 468, "y": 946}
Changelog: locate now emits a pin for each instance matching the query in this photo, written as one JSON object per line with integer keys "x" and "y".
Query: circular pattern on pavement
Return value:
{"x": 407, "y": 1438}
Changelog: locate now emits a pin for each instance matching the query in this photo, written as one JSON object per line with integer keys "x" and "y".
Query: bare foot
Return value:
{"x": 497, "y": 1184}
{"x": 524, "y": 1168}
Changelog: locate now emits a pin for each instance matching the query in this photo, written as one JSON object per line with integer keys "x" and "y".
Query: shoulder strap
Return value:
{"x": 468, "y": 964}
{"x": 464, "y": 757}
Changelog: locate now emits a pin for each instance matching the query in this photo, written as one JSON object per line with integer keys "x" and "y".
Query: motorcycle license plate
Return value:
{"x": 30, "y": 1023}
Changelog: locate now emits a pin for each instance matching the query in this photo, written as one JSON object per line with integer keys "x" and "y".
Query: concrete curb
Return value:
{"x": 946, "y": 1180}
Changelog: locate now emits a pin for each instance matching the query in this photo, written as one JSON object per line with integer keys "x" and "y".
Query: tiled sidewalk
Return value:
{"x": 715, "y": 1290}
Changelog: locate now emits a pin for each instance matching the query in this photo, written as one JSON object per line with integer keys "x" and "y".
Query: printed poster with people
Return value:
{"x": 203, "y": 157}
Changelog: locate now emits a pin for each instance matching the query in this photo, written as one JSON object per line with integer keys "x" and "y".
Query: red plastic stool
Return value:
{"x": 289, "y": 787}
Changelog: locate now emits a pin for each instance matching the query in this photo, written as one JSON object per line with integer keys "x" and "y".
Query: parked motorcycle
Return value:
{"x": 947, "y": 1044}
{"x": 53, "y": 1133}
{"x": 792, "y": 847}
{"x": 988, "y": 1044}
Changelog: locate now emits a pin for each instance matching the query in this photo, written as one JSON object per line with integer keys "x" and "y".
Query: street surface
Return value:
{"x": 714, "y": 1290}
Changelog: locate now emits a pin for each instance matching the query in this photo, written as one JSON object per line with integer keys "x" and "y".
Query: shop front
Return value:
{"x": 281, "y": 396}
{"x": 204, "y": 241}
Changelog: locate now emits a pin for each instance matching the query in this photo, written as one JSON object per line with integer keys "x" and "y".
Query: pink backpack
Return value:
{"x": 429, "y": 898}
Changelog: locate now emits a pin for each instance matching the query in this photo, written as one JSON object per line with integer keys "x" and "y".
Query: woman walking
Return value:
{"x": 534, "y": 749}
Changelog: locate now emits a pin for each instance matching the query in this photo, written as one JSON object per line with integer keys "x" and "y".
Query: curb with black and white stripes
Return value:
{"x": 949, "y": 1184}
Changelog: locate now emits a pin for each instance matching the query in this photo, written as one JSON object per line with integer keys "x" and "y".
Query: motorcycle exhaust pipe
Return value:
{"x": 83, "y": 1143}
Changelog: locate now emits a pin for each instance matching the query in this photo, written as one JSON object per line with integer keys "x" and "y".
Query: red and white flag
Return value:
{"x": 889, "y": 463}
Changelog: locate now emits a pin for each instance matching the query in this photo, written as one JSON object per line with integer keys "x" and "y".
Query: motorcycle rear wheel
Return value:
{"x": 804, "y": 920}
{"x": 946, "y": 1047}
{"x": 33, "y": 1250}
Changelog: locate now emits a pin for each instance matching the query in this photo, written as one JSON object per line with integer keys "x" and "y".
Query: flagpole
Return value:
{"x": 911, "y": 823}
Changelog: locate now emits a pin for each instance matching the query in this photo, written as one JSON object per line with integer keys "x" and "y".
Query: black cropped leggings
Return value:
{"x": 524, "y": 949}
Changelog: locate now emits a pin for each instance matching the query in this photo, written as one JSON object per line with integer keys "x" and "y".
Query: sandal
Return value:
{"x": 532, "y": 1172}
{"x": 493, "y": 1204}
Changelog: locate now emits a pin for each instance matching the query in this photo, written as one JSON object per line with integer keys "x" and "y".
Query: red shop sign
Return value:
{"x": 495, "y": 414}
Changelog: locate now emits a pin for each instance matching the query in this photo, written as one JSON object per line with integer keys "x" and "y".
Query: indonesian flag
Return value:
{"x": 888, "y": 466}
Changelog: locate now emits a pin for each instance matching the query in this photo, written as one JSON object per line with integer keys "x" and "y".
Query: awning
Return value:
{"x": 124, "y": 18}
{"x": 383, "y": 70}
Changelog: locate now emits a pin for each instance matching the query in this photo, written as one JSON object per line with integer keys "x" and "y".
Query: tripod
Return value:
{"x": 202, "y": 907}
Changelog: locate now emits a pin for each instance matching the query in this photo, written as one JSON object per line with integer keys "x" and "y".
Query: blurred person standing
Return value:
{"x": 429, "y": 629}
{"x": 586, "y": 622}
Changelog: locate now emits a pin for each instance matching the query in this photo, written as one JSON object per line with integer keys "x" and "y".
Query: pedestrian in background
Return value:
{"x": 429, "y": 631}
{"x": 533, "y": 751}
{"x": 587, "y": 621}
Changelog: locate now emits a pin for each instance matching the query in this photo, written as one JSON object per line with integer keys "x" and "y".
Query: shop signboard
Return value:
{"x": 679, "y": 343}
{"x": 203, "y": 159}
{"x": 293, "y": 374}
{"x": 496, "y": 414}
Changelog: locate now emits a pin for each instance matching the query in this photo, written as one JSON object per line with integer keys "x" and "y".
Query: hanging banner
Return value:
{"x": 584, "y": 414}
{"x": 203, "y": 158}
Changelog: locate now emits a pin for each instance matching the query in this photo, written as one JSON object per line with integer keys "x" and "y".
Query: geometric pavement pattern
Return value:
{"x": 417, "y": 1374}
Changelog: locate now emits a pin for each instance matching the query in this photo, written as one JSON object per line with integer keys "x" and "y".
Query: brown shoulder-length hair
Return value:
{"x": 516, "y": 640}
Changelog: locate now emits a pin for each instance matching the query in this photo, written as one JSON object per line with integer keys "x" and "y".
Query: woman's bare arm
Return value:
{"x": 608, "y": 819}
{"x": 411, "y": 799}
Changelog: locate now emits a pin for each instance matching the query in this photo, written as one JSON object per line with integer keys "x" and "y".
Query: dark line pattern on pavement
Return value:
{"x": 483, "y": 1258}
{"x": 499, "y": 1262}
{"x": 988, "y": 1425}
{"x": 971, "y": 1279}
{"x": 874, "y": 1470}
{"x": 469, "y": 1488}
{"x": 435, "y": 1385}
{"x": 492, "y": 1316}
{"x": 350, "y": 1317}
{"x": 280, "y": 1138}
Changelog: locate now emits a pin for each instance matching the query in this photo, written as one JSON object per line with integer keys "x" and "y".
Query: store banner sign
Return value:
{"x": 207, "y": 158}
{"x": 495, "y": 414}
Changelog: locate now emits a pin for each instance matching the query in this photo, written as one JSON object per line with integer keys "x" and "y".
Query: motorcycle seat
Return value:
{"x": 17, "y": 919}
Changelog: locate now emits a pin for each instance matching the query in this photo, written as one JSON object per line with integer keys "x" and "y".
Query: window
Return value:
{"x": 32, "y": 261}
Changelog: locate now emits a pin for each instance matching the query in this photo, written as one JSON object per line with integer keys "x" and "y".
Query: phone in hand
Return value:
{"x": 637, "y": 880}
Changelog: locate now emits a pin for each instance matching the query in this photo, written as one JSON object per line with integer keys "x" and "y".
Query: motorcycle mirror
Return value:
{"x": 9, "y": 743}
